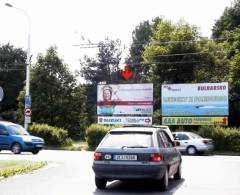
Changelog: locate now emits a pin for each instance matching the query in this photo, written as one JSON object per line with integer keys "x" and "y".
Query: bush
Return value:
{"x": 53, "y": 136}
{"x": 95, "y": 133}
{"x": 225, "y": 139}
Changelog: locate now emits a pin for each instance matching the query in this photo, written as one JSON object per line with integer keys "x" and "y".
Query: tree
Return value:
{"x": 56, "y": 98}
{"x": 102, "y": 68}
{"x": 140, "y": 38}
{"x": 12, "y": 77}
{"x": 229, "y": 20}
{"x": 170, "y": 53}
{"x": 105, "y": 66}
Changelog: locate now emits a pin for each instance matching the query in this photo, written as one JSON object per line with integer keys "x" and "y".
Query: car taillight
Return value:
{"x": 156, "y": 157}
{"x": 97, "y": 156}
{"x": 205, "y": 141}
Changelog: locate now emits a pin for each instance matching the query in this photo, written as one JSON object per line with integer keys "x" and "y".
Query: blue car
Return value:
{"x": 15, "y": 138}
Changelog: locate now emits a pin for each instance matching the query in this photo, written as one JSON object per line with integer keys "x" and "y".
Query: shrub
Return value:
{"x": 225, "y": 139}
{"x": 53, "y": 136}
{"x": 95, "y": 133}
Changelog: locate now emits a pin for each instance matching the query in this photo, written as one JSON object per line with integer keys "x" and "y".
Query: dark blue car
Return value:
{"x": 15, "y": 138}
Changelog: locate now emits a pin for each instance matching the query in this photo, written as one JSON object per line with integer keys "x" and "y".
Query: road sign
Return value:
{"x": 28, "y": 101}
{"x": 1, "y": 94}
{"x": 27, "y": 119}
{"x": 28, "y": 112}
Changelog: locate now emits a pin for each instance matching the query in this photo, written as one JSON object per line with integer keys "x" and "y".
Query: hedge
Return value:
{"x": 95, "y": 133}
{"x": 53, "y": 136}
{"x": 225, "y": 139}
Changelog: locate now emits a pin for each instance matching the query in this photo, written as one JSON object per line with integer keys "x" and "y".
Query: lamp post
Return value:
{"x": 27, "y": 93}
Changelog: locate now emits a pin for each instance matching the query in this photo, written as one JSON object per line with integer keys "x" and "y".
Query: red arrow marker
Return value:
{"x": 127, "y": 73}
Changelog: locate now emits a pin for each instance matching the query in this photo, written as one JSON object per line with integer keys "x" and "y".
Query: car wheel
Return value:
{"x": 16, "y": 148}
{"x": 35, "y": 151}
{"x": 164, "y": 181}
{"x": 191, "y": 150}
{"x": 178, "y": 174}
{"x": 100, "y": 183}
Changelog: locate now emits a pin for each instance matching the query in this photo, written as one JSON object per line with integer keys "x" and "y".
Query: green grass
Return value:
{"x": 77, "y": 146}
{"x": 10, "y": 168}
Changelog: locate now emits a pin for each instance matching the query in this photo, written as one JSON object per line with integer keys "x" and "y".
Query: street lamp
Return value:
{"x": 27, "y": 94}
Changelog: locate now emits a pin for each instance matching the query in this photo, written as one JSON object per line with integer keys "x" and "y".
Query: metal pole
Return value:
{"x": 28, "y": 66}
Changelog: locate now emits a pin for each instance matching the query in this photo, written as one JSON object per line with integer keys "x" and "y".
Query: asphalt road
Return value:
{"x": 70, "y": 173}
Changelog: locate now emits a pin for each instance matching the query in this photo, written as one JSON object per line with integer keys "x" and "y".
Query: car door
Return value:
{"x": 183, "y": 139}
{"x": 5, "y": 140}
{"x": 170, "y": 152}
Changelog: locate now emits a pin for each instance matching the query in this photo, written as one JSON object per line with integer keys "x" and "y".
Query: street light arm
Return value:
{"x": 25, "y": 13}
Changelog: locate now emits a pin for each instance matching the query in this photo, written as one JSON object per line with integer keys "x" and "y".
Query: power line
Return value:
{"x": 8, "y": 70}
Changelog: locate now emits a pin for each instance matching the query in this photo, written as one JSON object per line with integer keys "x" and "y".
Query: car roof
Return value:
{"x": 6, "y": 123}
{"x": 140, "y": 128}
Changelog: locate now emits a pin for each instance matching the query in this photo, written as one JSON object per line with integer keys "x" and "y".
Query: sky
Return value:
{"x": 63, "y": 23}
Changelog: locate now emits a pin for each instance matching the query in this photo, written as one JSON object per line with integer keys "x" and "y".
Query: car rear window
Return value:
{"x": 194, "y": 136}
{"x": 128, "y": 139}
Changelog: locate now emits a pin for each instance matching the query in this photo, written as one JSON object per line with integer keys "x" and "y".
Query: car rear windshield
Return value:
{"x": 194, "y": 136}
{"x": 128, "y": 139}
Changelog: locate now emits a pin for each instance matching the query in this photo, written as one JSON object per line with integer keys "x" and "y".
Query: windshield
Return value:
{"x": 17, "y": 130}
{"x": 131, "y": 140}
{"x": 194, "y": 136}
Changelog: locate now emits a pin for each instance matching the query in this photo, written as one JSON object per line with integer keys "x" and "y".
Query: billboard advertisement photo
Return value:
{"x": 199, "y": 99}
{"x": 125, "y": 99}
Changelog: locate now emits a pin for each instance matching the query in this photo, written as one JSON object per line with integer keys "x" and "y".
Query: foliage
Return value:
{"x": 105, "y": 66}
{"x": 157, "y": 117}
{"x": 12, "y": 77}
{"x": 56, "y": 98}
{"x": 10, "y": 168}
{"x": 95, "y": 133}
{"x": 102, "y": 68}
{"x": 140, "y": 38}
{"x": 53, "y": 136}
{"x": 225, "y": 139}
{"x": 229, "y": 20}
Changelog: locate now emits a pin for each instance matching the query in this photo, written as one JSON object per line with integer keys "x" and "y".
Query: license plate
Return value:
{"x": 125, "y": 157}
{"x": 39, "y": 146}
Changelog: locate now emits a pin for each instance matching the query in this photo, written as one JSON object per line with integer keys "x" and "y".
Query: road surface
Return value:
{"x": 70, "y": 173}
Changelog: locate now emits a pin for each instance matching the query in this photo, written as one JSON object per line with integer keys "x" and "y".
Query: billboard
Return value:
{"x": 200, "y": 99}
{"x": 125, "y": 99}
{"x": 195, "y": 120}
{"x": 123, "y": 120}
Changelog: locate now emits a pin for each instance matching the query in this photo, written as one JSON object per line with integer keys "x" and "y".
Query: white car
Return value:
{"x": 192, "y": 143}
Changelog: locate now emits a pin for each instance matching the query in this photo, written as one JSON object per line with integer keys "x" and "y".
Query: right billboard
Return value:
{"x": 199, "y": 99}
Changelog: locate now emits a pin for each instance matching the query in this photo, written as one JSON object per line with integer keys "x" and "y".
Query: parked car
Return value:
{"x": 136, "y": 153}
{"x": 15, "y": 138}
{"x": 192, "y": 143}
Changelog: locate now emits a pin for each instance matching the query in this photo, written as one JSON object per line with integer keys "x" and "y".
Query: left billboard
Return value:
{"x": 125, "y": 99}
{"x": 123, "y": 120}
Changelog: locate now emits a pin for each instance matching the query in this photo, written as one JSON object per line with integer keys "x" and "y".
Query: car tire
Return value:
{"x": 191, "y": 150}
{"x": 164, "y": 181}
{"x": 35, "y": 151}
{"x": 178, "y": 174}
{"x": 16, "y": 148}
{"x": 100, "y": 183}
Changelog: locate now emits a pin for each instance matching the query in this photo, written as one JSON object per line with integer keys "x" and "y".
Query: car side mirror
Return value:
{"x": 176, "y": 143}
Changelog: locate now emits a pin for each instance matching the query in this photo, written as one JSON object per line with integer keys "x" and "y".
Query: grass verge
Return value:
{"x": 10, "y": 168}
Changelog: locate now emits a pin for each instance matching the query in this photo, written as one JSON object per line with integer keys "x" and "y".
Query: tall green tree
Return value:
{"x": 102, "y": 68}
{"x": 56, "y": 98}
{"x": 105, "y": 66}
{"x": 171, "y": 52}
{"x": 229, "y": 20}
{"x": 140, "y": 39}
{"x": 12, "y": 77}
